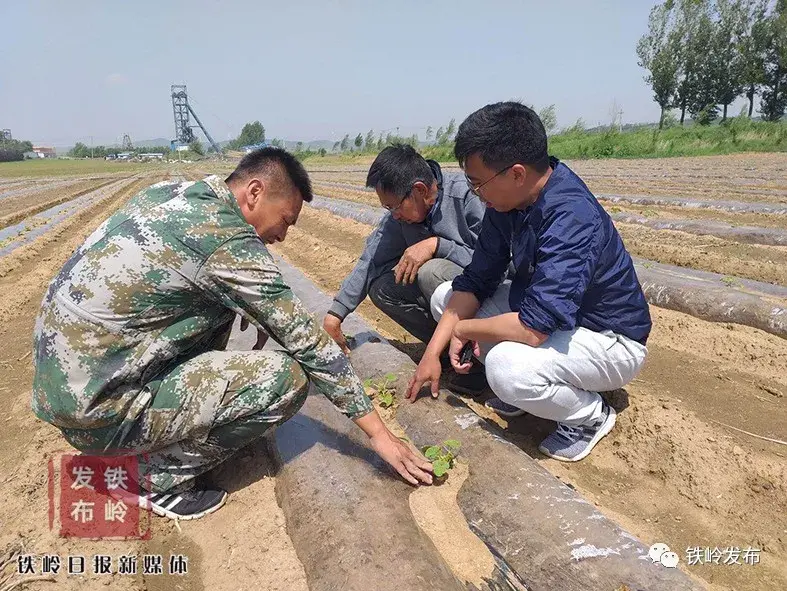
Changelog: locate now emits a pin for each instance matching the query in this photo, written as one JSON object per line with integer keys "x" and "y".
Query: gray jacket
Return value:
{"x": 455, "y": 219}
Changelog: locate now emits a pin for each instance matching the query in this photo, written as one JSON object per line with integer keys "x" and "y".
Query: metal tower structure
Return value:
{"x": 184, "y": 132}
{"x": 127, "y": 142}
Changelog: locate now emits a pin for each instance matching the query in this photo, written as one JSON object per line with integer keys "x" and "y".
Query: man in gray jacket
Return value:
{"x": 427, "y": 238}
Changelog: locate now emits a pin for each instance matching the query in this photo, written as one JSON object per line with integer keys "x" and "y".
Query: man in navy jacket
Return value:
{"x": 573, "y": 321}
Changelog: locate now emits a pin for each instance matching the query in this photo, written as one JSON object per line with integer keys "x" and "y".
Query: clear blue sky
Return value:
{"x": 311, "y": 69}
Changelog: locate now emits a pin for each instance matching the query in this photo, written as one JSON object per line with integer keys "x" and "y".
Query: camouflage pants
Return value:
{"x": 207, "y": 408}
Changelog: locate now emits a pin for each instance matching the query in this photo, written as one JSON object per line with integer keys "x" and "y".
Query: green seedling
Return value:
{"x": 382, "y": 389}
{"x": 730, "y": 281}
{"x": 442, "y": 456}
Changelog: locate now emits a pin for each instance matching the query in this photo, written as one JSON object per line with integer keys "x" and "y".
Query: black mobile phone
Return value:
{"x": 466, "y": 354}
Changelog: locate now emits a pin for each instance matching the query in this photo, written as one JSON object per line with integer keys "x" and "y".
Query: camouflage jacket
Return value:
{"x": 151, "y": 286}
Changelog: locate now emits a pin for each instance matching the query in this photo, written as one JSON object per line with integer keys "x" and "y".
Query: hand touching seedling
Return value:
{"x": 383, "y": 389}
{"x": 442, "y": 456}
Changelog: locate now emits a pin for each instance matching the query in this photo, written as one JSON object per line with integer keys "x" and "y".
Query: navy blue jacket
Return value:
{"x": 571, "y": 266}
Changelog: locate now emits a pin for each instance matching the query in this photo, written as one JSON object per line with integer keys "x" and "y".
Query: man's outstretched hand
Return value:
{"x": 410, "y": 465}
{"x": 428, "y": 371}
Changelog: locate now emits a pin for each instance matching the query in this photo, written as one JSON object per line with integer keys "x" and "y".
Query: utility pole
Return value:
{"x": 91, "y": 147}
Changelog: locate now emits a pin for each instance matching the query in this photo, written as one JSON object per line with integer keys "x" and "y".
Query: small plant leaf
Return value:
{"x": 367, "y": 383}
{"x": 386, "y": 398}
{"x": 440, "y": 467}
{"x": 432, "y": 452}
{"x": 452, "y": 444}
{"x": 390, "y": 377}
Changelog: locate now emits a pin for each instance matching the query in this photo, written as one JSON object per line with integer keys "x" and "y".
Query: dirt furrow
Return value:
{"x": 250, "y": 525}
{"x": 18, "y": 210}
{"x": 708, "y": 253}
{"x": 703, "y": 484}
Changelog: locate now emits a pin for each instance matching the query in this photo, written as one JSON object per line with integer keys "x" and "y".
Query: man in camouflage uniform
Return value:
{"x": 129, "y": 344}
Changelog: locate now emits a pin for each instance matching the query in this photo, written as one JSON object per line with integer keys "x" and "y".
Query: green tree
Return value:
{"x": 774, "y": 94}
{"x": 450, "y": 131}
{"x": 703, "y": 96}
{"x": 358, "y": 141}
{"x": 277, "y": 143}
{"x": 657, "y": 53}
{"x": 196, "y": 147}
{"x": 578, "y": 127}
{"x": 753, "y": 46}
{"x": 335, "y": 146}
{"x": 299, "y": 146}
{"x": 727, "y": 59}
{"x": 252, "y": 133}
{"x": 692, "y": 23}
{"x": 79, "y": 150}
{"x": 429, "y": 133}
{"x": 14, "y": 150}
{"x": 322, "y": 152}
{"x": 380, "y": 142}
{"x": 345, "y": 145}
{"x": 438, "y": 136}
{"x": 369, "y": 141}
{"x": 548, "y": 118}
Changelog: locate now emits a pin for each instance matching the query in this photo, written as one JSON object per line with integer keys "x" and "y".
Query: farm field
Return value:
{"x": 669, "y": 470}
{"x": 694, "y": 459}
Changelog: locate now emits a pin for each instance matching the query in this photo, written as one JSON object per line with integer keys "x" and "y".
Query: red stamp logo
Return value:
{"x": 96, "y": 497}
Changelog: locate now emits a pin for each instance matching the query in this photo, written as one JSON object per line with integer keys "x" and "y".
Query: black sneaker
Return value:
{"x": 471, "y": 384}
{"x": 190, "y": 504}
{"x": 503, "y": 408}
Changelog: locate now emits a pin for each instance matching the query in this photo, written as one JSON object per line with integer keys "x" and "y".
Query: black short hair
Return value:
{"x": 263, "y": 159}
{"x": 397, "y": 168}
{"x": 503, "y": 134}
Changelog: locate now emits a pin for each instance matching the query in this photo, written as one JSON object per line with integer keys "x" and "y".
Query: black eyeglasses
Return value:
{"x": 398, "y": 205}
{"x": 476, "y": 188}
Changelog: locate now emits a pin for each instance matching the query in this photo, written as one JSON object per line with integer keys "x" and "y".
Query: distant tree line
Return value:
{"x": 374, "y": 142}
{"x": 701, "y": 55}
{"x": 81, "y": 150}
{"x": 12, "y": 150}
{"x": 252, "y": 133}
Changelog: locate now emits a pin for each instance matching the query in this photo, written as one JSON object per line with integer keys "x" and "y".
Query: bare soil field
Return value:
{"x": 672, "y": 470}
{"x": 696, "y": 177}
{"x": 219, "y": 552}
{"x": 675, "y": 470}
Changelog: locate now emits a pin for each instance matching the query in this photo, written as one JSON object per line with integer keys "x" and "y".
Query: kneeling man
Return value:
{"x": 426, "y": 239}
{"x": 573, "y": 321}
{"x": 130, "y": 344}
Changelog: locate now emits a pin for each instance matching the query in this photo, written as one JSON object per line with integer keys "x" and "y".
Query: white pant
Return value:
{"x": 559, "y": 380}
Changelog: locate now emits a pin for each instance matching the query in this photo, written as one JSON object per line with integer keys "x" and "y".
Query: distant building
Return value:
{"x": 44, "y": 152}
{"x": 158, "y": 155}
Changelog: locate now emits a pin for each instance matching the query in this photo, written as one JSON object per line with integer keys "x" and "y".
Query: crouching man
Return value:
{"x": 573, "y": 321}
{"x": 426, "y": 239}
{"x": 129, "y": 345}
